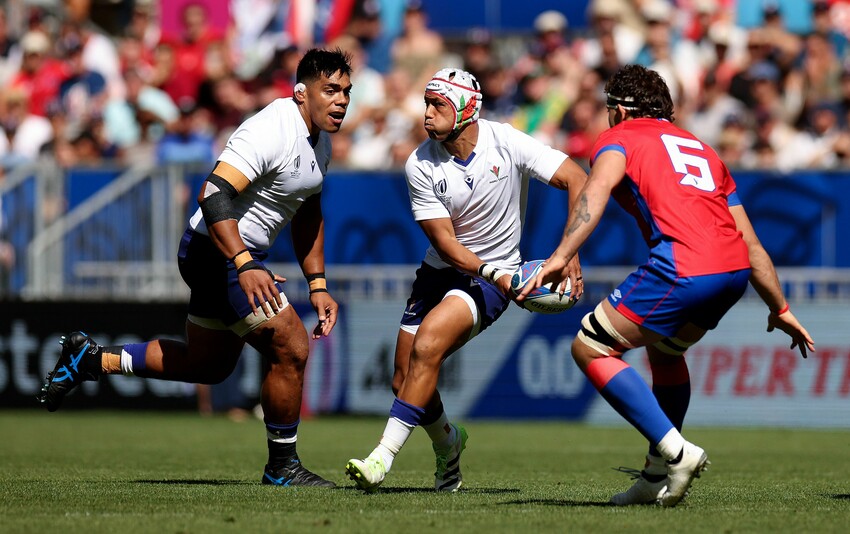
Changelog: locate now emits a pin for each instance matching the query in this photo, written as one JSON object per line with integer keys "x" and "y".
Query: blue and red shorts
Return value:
{"x": 653, "y": 300}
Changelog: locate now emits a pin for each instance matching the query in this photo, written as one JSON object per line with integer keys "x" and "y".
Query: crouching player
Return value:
{"x": 467, "y": 187}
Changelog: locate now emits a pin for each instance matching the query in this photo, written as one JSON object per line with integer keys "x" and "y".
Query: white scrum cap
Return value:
{"x": 461, "y": 89}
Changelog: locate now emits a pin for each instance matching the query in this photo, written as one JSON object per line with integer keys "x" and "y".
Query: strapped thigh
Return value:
{"x": 598, "y": 333}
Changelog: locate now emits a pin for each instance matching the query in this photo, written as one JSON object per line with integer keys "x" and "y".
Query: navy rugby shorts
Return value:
{"x": 432, "y": 284}
{"x": 212, "y": 279}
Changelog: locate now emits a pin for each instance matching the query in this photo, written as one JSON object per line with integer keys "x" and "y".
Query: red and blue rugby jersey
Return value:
{"x": 679, "y": 191}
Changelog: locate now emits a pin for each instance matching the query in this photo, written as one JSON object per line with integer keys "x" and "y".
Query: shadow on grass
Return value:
{"x": 194, "y": 482}
{"x": 463, "y": 491}
{"x": 840, "y": 496}
{"x": 557, "y": 502}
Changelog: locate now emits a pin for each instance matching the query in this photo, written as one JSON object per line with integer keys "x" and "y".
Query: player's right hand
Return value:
{"x": 554, "y": 270}
{"x": 259, "y": 286}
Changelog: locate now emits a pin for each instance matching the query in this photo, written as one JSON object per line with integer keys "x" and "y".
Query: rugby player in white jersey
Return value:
{"x": 269, "y": 175}
{"x": 467, "y": 186}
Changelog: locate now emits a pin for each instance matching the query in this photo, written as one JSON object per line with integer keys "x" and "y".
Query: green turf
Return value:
{"x": 166, "y": 473}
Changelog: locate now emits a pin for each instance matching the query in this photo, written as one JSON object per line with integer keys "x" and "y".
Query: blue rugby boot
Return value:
{"x": 294, "y": 474}
{"x": 78, "y": 362}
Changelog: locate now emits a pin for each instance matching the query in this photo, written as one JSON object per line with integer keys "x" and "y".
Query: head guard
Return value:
{"x": 462, "y": 90}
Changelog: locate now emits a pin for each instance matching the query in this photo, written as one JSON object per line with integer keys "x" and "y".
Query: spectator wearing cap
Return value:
{"x": 611, "y": 41}
{"x": 40, "y": 75}
{"x": 418, "y": 49}
{"x": 550, "y": 28}
{"x": 676, "y": 60}
{"x": 478, "y": 55}
{"x": 82, "y": 95}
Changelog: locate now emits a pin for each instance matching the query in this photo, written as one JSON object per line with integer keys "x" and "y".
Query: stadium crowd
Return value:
{"x": 765, "y": 96}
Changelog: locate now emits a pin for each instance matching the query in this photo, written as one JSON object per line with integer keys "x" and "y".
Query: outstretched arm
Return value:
{"x": 572, "y": 178}
{"x": 766, "y": 283}
{"x": 585, "y": 214}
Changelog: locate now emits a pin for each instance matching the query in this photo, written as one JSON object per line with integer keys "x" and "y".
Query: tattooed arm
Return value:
{"x": 608, "y": 170}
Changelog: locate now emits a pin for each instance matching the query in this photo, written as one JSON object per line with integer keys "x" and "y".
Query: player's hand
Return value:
{"x": 326, "y": 310}
{"x": 259, "y": 286}
{"x": 791, "y": 326}
{"x": 504, "y": 285}
{"x": 554, "y": 270}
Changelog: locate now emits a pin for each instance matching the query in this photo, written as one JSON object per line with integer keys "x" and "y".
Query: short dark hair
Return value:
{"x": 317, "y": 63}
{"x": 643, "y": 92}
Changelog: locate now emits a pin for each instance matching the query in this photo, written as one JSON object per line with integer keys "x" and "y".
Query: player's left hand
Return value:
{"x": 555, "y": 270}
{"x": 326, "y": 310}
{"x": 790, "y": 325}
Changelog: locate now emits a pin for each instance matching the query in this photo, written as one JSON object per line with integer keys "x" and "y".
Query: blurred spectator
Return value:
{"x": 98, "y": 54}
{"x": 26, "y": 131}
{"x": 82, "y": 95}
{"x": 40, "y": 75}
{"x": 10, "y": 52}
{"x": 367, "y": 92}
{"x": 230, "y": 104}
{"x": 712, "y": 109}
{"x": 183, "y": 73}
{"x": 7, "y": 251}
{"x": 278, "y": 78}
{"x": 499, "y": 94}
{"x": 478, "y": 56}
{"x": 611, "y": 41}
{"x": 418, "y": 49}
{"x": 187, "y": 139}
{"x": 822, "y": 24}
{"x": 583, "y": 127}
{"x": 136, "y": 122}
{"x": 367, "y": 27}
{"x": 821, "y": 70}
{"x": 541, "y": 108}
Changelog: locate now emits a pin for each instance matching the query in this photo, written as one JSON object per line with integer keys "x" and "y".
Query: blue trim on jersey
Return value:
{"x": 733, "y": 199}
{"x": 619, "y": 148}
{"x": 466, "y": 162}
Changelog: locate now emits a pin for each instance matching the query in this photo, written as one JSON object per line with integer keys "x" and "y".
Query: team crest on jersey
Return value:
{"x": 495, "y": 171}
{"x": 312, "y": 166}
{"x": 440, "y": 189}
{"x": 468, "y": 179}
{"x": 297, "y": 164}
{"x": 617, "y": 295}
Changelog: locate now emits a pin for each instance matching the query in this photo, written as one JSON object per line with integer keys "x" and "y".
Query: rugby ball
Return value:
{"x": 544, "y": 299}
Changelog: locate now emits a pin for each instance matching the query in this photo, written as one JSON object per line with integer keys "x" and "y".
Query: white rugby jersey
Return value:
{"x": 272, "y": 149}
{"x": 485, "y": 196}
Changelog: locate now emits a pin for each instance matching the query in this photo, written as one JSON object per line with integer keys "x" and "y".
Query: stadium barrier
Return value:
{"x": 520, "y": 368}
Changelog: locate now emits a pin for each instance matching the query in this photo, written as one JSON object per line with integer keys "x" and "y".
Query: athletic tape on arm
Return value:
{"x": 217, "y": 204}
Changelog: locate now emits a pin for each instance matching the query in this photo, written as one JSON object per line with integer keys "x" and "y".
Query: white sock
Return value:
{"x": 395, "y": 434}
{"x": 126, "y": 363}
{"x": 655, "y": 465}
{"x": 442, "y": 434}
{"x": 670, "y": 445}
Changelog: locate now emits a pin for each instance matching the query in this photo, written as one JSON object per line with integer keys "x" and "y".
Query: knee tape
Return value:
{"x": 673, "y": 346}
{"x": 598, "y": 333}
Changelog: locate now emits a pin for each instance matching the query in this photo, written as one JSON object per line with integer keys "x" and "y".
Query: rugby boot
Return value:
{"x": 647, "y": 487}
{"x": 369, "y": 473}
{"x": 681, "y": 473}
{"x": 294, "y": 474}
{"x": 447, "y": 477}
{"x": 79, "y": 361}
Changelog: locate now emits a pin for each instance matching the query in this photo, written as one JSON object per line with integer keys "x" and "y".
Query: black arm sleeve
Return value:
{"x": 218, "y": 205}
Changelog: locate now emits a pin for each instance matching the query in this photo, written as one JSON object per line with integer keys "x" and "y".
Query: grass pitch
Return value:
{"x": 157, "y": 472}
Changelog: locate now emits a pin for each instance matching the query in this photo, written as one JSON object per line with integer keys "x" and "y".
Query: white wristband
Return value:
{"x": 491, "y": 273}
